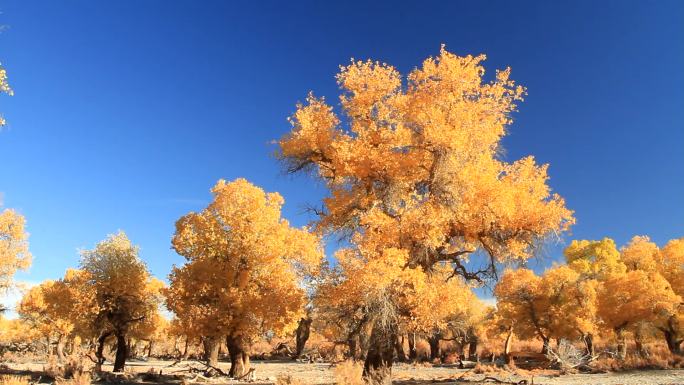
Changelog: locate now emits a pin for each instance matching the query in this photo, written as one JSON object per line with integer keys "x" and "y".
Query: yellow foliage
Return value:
{"x": 123, "y": 291}
{"x": 245, "y": 265}
{"x": 636, "y": 296}
{"x": 415, "y": 168}
{"x": 14, "y": 251}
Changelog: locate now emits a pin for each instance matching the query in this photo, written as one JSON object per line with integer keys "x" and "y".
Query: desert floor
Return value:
{"x": 404, "y": 374}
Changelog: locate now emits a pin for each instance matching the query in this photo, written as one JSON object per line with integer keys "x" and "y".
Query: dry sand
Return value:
{"x": 405, "y": 374}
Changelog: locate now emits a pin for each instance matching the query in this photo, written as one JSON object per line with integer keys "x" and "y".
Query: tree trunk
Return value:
{"x": 413, "y": 353}
{"x": 121, "y": 353}
{"x": 546, "y": 341}
{"x": 377, "y": 368}
{"x": 48, "y": 346}
{"x": 303, "y": 331}
{"x": 149, "y": 349}
{"x": 472, "y": 348}
{"x": 211, "y": 350}
{"x": 639, "y": 343}
{"x": 507, "y": 346}
{"x": 99, "y": 353}
{"x": 60, "y": 348}
{"x": 186, "y": 351}
{"x": 399, "y": 348}
{"x": 433, "y": 340}
{"x": 673, "y": 344}
{"x": 589, "y": 344}
{"x": 238, "y": 350}
{"x": 621, "y": 343}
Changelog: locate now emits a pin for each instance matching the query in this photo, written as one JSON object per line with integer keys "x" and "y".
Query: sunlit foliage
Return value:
{"x": 244, "y": 271}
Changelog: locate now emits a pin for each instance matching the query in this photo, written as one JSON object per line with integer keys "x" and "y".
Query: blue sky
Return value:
{"x": 127, "y": 112}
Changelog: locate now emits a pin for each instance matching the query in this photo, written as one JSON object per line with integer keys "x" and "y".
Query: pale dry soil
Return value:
{"x": 404, "y": 374}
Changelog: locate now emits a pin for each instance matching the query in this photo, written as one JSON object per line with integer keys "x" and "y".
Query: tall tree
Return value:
{"x": 520, "y": 299}
{"x": 413, "y": 169}
{"x": 245, "y": 269}
{"x": 14, "y": 249}
{"x": 125, "y": 293}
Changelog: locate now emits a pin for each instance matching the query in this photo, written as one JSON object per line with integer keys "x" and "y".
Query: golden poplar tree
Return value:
{"x": 244, "y": 271}
{"x": 413, "y": 168}
{"x": 14, "y": 249}
{"x": 124, "y": 291}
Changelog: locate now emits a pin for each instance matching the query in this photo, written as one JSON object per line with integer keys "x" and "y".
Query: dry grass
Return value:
{"x": 286, "y": 379}
{"x": 633, "y": 362}
{"x": 14, "y": 380}
{"x": 348, "y": 373}
{"x": 82, "y": 378}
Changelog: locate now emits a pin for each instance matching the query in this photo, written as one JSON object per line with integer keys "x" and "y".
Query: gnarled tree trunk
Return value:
{"x": 589, "y": 344}
{"x": 673, "y": 344}
{"x": 399, "y": 348}
{"x": 186, "y": 351}
{"x": 99, "y": 352}
{"x": 639, "y": 343}
{"x": 621, "y": 342}
{"x": 507, "y": 346}
{"x": 303, "y": 331}
{"x": 377, "y": 368}
{"x": 472, "y": 347}
{"x": 121, "y": 352}
{"x": 238, "y": 350}
{"x": 433, "y": 340}
{"x": 546, "y": 342}
{"x": 413, "y": 352}
{"x": 60, "y": 347}
{"x": 211, "y": 350}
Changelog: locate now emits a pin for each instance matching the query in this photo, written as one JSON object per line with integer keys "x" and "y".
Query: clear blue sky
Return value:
{"x": 127, "y": 112}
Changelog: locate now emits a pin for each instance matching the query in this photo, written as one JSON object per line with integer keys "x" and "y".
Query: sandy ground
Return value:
{"x": 405, "y": 374}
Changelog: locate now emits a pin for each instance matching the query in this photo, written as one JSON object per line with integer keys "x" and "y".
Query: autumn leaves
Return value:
{"x": 600, "y": 291}
{"x": 245, "y": 271}
{"x": 417, "y": 188}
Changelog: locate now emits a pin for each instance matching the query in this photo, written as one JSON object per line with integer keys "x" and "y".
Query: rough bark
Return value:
{"x": 673, "y": 344}
{"x": 413, "y": 353}
{"x": 99, "y": 352}
{"x": 377, "y": 368}
{"x": 60, "y": 348}
{"x": 621, "y": 343}
{"x": 211, "y": 350}
{"x": 589, "y": 345}
{"x": 399, "y": 348}
{"x": 353, "y": 347}
{"x": 121, "y": 353}
{"x": 302, "y": 335}
{"x": 639, "y": 343}
{"x": 472, "y": 348}
{"x": 238, "y": 350}
{"x": 186, "y": 351}
{"x": 546, "y": 342}
{"x": 433, "y": 340}
{"x": 507, "y": 346}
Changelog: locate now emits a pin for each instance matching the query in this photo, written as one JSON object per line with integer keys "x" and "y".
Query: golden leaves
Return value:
{"x": 245, "y": 264}
{"x": 14, "y": 249}
{"x": 415, "y": 166}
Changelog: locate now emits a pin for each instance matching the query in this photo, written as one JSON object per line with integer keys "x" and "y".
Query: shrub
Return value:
{"x": 286, "y": 379}
{"x": 82, "y": 378}
{"x": 13, "y": 380}
{"x": 348, "y": 373}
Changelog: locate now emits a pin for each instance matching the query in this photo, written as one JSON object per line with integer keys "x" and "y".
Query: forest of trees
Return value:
{"x": 428, "y": 211}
